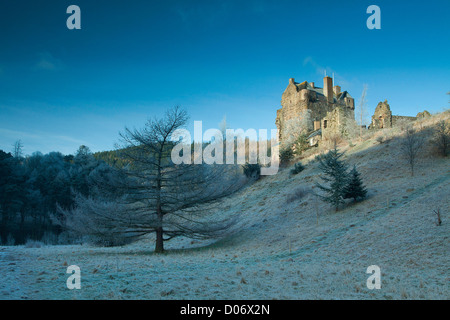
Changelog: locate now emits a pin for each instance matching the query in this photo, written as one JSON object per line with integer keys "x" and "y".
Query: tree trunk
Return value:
{"x": 159, "y": 247}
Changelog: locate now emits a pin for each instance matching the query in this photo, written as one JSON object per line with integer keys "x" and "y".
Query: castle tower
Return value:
{"x": 328, "y": 89}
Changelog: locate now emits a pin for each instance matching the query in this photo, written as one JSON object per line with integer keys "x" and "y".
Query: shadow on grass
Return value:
{"x": 122, "y": 251}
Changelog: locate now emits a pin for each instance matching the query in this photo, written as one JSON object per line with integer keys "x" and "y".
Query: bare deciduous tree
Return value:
{"x": 362, "y": 111}
{"x": 17, "y": 149}
{"x": 411, "y": 147}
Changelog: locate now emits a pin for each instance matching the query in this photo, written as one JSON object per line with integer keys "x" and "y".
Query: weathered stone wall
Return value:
{"x": 424, "y": 114}
{"x": 320, "y": 108}
{"x": 335, "y": 122}
{"x": 397, "y": 119}
{"x": 350, "y": 102}
{"x": 382, "y": 118}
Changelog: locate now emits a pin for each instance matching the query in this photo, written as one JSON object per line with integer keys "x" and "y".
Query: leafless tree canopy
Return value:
{"x": 411, "y": 147}
{"x": 442, "y": 137}
{"x": 152, "y": 195}
{"x": 362, "y": 111}
{"x": 17, "y": 149}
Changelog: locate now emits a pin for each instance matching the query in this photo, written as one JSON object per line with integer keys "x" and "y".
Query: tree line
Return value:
{"x": 32, "y": 187}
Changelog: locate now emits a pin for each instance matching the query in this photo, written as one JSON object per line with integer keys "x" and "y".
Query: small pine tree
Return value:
{"x": 335, "y": 175}
{"x": 355, "y": 188}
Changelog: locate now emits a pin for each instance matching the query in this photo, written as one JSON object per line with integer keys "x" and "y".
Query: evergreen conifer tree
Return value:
{"x": 335, "y": 176}
{"x": 355, "y": 188}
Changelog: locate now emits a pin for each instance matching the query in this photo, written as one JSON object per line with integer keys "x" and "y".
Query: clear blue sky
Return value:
{"x": 131, "y": 60}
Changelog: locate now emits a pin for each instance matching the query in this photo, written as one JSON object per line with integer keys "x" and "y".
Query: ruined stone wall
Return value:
{"x": 397, "y": 119}
{"x": 382, "y": 118}
{"x": 424, "y": 114}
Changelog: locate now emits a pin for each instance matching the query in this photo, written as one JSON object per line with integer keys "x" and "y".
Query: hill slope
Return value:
{"x": 280, "y": 250}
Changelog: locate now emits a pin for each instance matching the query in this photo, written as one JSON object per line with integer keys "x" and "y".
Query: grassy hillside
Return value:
{"x": 280, "y": 249}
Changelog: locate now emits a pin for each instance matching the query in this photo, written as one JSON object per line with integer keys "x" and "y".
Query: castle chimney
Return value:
{"x": 328, "y": 89}
{"x": 311, "y": 84}
{"x": 291, "y": 81}
{"x": 336, "y": 90}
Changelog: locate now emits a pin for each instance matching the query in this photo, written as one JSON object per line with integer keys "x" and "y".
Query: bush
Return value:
{"x": 298, "y": 167}
{"x": 286, "y": 154}
{"x": 442, "y": 138}
{"x": 380, "y": 139}
{"x": 252, "y": 171}
{"x": 33, "y": 244}
{"x": 298, "y": 194}
{"x": 403, "y": 124}
{"x": 301, "y": 144}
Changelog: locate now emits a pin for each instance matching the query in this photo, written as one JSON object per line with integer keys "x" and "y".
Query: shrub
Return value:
{"x": 298, "y": 194}
{"x": 442, "y": 138}
{"x": 252, "y": 171}
{"x": 286, "y": 154}
{"x": 333, "y": 140}
{"x": 402, "y": 125}
{"x": 298, "y": 167}
{"x": 301, "y": 144}
{"x": 33, "y": 244}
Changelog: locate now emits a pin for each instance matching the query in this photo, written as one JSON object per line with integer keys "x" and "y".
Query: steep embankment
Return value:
{"x": 283, "y": 250}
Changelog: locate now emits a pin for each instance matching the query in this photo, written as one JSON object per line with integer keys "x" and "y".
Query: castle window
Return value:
{"x": 325, "y": 123}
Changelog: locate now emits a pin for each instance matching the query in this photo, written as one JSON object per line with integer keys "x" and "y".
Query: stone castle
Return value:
{"x": 328, "y": 107}
{"x": 328, "y": 110}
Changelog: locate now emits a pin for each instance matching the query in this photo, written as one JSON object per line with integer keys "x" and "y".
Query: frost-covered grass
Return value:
{"x": 281, "y": 250}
